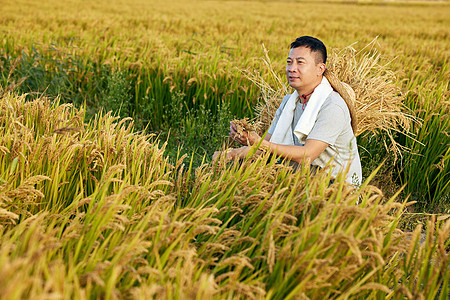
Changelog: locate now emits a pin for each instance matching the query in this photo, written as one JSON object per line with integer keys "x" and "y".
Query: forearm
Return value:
{"x": 299, "y": 154}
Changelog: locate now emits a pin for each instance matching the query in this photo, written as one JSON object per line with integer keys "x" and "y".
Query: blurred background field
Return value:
{"x": 97, "y": 206}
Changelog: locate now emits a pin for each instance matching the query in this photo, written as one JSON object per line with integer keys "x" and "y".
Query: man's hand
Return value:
{"x": 217, "y": 155}
{"x": 231, "y": 154}
{"x": 246, "y": 138}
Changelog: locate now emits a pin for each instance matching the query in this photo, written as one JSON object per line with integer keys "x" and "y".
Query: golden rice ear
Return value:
{"x": 244, "y": 125}
{"x": 347, "y": 93}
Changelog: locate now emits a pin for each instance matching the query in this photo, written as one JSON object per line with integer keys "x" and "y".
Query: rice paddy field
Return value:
{"x": 110, "y": 112}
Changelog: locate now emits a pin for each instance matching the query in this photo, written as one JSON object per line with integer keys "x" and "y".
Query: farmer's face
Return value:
{"x": 302, "y": 71}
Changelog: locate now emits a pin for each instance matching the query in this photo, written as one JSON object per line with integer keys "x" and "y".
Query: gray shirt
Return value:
{"x": 333, "y": 127}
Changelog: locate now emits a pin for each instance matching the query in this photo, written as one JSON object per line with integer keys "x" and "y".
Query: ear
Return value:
{"x": 321, "y": 69}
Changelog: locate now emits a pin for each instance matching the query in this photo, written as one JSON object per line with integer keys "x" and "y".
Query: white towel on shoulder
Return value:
{"x": 283, "y": 130}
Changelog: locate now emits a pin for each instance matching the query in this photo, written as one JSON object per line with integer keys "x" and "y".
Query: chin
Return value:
{"x": 294, "y": 86}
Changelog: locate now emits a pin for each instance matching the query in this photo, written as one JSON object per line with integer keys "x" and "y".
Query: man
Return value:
{"x": 313, "y": 125}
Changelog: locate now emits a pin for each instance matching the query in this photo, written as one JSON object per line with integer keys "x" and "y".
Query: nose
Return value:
{"x": 292, "y": 67}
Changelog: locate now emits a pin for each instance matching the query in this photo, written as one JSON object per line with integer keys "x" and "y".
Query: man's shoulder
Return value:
{"x": 336, "y": 103}
{"x": 336, "y": 99}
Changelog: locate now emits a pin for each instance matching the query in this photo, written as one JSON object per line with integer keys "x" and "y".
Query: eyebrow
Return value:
{"x": 297, "y": 58}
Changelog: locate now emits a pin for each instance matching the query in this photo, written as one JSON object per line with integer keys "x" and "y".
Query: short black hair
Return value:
{"x": 315, "y": 45}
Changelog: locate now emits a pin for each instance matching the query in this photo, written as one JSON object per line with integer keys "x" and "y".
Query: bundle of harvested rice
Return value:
{"x": 244, "y": 125}
{"x": 368, "y": 88}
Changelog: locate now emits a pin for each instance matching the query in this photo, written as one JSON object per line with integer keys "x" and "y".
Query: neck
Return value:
{"x": 305, "y": 97}
{"x": 304, "y": 94}
{"x": 307, "y": 91}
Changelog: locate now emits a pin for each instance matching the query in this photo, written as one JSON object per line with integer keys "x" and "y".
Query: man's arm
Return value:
{"x": 309, "y": 152}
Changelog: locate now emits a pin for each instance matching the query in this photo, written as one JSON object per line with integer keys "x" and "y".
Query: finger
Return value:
{"x": 233, "y": 130}
{"x": 233, "y": 136}
{"x": 229, "y": 156}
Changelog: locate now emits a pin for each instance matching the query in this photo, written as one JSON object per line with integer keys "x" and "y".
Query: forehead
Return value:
{"x": 301, "y": 52}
